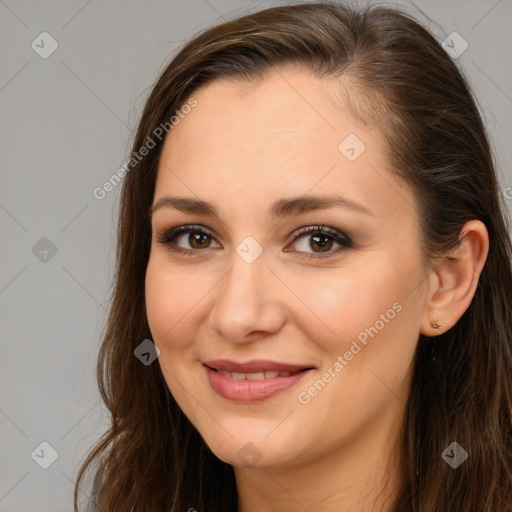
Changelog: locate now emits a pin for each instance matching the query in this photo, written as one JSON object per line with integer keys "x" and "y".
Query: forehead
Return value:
{"x": 281, "y": 136}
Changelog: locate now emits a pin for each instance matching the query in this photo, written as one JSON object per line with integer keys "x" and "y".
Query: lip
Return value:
{"x": 256, "y": 365}
{"x": 247, "y": 390}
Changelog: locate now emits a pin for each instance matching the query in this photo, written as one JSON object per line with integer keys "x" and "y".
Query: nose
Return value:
{"x": 247, "y": 302}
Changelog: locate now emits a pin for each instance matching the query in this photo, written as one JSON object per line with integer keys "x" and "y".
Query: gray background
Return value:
{"x": 67, "y": 122}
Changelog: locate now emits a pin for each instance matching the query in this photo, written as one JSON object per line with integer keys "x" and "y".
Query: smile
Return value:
{"x": 253, "y": 386}
{"x": 255, "y": 375}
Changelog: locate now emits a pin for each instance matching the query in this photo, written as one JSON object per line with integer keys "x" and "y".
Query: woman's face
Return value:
{"x": 343, "y": 305}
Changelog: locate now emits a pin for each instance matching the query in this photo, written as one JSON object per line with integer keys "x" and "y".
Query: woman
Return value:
{"x": 312, "y": 237}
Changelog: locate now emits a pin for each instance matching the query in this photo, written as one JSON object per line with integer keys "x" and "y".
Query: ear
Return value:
{"x": 453, "y": 282}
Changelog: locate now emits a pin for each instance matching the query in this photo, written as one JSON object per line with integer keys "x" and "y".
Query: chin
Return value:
{"x": 252, "y": 449}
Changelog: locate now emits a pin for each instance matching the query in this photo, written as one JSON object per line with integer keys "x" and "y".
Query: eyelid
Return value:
{"x": 319, "y": 228}
{"x": 167, "y": 236}
{"x": 338, "y": 236}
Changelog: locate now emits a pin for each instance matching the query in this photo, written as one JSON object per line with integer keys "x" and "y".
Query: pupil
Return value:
{"x": 198, "y": 239}
{"x": 325, "y": 245}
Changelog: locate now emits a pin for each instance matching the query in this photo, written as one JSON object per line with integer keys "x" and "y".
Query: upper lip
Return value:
{"x": 256, "y": 365}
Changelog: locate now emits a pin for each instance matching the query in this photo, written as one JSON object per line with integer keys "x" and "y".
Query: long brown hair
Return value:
{"x": 152, "y": 458}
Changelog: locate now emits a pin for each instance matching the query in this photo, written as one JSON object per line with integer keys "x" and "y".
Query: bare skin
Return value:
{"x": 243, "y": 148}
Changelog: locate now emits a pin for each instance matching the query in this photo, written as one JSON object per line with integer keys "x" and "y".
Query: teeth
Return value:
{"x": 254, "y": 375}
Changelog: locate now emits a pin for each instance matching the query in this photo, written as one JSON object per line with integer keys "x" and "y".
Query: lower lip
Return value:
{"x": 247, "y": 390}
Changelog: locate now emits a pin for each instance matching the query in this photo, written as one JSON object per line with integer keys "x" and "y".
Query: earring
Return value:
{"x": 434, "y": 324}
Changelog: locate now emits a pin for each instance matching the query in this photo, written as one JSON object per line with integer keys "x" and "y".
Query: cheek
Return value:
{"x": 365, "y": 325}
{"x": 169, "y": 298}
{"x": 170, "y": 301}
{"x": 367, "y": 316}
{"x": 341, "y": 304}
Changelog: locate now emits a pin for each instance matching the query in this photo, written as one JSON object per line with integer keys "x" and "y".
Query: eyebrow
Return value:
{"x": 284, "y": 207}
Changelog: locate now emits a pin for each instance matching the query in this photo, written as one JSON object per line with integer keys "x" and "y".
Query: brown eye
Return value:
{"x": 197, "y": 240}
{"x": 320, "y": 240}
{"x": 323, "y": 242}
{"x": 312, "y": 241}
{"x": 186, "y": 239}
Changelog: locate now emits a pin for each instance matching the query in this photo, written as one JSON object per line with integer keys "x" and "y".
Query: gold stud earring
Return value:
{"x": 434, "y": 324}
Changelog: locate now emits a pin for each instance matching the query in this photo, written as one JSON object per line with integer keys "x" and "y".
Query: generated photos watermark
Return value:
{"x": 304, "y": 397}
{"x": 158, "y": 133}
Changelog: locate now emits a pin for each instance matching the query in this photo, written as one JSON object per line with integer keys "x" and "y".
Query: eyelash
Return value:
{"x": 168, "y": 236}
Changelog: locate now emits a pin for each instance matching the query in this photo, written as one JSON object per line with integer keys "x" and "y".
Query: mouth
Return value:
{"x": 256, "y": 366}
{"x": 253, "y": 381}
{"x": 255, "y": 375}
